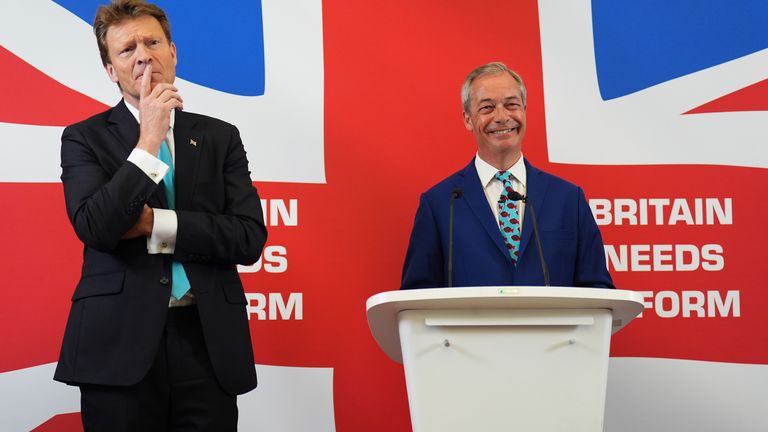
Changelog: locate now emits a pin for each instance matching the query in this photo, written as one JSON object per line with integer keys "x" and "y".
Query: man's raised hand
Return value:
{"x": 155, "y": 105}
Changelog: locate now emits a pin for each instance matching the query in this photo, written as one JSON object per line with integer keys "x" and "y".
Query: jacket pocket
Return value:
{"x": 99, "y": 285}
{"x": 557, "y": 235}
{"x": 234, "y": 294}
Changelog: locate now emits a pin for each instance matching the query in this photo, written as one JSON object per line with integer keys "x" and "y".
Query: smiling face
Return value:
{"x": 132, "y": 45}
{"x": 496, "y": 117}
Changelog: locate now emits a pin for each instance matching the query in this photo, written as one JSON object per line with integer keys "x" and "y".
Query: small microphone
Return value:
{"x": 516, "y": 196}
{"x": 456, "y": 193}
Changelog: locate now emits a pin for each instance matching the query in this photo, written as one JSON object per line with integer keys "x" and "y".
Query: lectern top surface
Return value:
{"x": 383, "y": 308}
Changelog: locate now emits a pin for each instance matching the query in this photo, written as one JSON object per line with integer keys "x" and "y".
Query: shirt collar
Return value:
{"x": 486, "y": 171}
{"x": 135, "y": 112}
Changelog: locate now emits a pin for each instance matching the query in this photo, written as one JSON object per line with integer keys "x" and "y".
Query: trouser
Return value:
{"x": 179, "y": 393}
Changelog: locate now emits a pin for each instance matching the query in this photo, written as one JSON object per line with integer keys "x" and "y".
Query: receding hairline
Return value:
{"x": 489, "y": 69}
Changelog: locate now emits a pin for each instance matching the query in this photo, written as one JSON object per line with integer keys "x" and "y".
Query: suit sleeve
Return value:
{"x": 423, "y": 267}
{"x": 101, "y": 208}
{"x": 591, "y": 269}
{"x": 234, "y": 235}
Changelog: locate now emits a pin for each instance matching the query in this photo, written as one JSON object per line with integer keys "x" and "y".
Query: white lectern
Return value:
{"x": 485, "y": 359}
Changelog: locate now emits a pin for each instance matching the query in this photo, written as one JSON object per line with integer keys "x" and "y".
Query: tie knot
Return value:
{"x": 503, "y": 176}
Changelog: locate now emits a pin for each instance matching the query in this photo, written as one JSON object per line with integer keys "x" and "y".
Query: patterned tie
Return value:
{"x": 179, "y": 281}
{"x": 509, "y": 222}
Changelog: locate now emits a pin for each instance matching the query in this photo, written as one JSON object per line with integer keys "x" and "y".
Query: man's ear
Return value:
{"x": 111, "y": 72}
{"x": 467, "y": 120}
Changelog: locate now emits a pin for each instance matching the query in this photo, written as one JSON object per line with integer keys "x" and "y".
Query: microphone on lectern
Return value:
{"x": 516, "y": 196}
{"x": 456, "y": 193}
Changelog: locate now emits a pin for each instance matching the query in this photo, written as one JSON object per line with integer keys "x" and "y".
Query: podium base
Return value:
{"x": 506, "y": 370}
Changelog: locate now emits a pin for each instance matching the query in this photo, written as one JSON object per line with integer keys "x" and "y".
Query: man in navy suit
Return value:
{"x": 493, "y": 243}
{"x": 157, "y": 337}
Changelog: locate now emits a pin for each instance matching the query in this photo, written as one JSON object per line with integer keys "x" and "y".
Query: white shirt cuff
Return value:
{"x": 153, "y": 167}
{"x": 164, "y": 228}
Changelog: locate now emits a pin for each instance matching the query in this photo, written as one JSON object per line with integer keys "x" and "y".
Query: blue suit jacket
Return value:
{"x": 573, "y": 247}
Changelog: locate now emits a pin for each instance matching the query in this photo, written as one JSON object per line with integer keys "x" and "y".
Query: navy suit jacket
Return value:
{"x": 120, "y": 303}
{"x": 573, "y": 247}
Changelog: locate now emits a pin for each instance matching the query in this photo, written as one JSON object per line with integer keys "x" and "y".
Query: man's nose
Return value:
{"x": 501, "y": 115}
{"x": 142, "y": 55}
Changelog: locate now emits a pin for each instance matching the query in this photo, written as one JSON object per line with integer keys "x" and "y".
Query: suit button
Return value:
{"x": 164, "y": 280}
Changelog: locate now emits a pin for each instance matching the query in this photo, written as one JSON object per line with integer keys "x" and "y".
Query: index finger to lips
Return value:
{"x": 146, "y": 78}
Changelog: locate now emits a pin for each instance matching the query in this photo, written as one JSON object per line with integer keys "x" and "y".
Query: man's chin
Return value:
{"x": 504, "y": 146}
{"x": 507, "y": 140}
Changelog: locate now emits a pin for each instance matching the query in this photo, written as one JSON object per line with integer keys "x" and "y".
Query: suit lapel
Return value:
{"x": 124, "y": 127}
{"x": 475, "y": 196}
{"x": 189, "y": 144}
{"x": 536, "y": 190}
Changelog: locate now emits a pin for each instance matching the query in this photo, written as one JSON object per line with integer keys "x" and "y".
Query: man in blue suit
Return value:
{"x": 493, "y": 243}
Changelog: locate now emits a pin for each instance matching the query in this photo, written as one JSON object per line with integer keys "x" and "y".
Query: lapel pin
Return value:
{"x": 193, "y": 142}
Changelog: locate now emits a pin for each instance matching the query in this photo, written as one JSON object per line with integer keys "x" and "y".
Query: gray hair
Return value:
{"x": 488, "y": 69}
